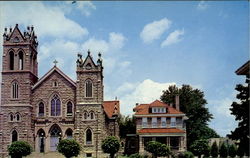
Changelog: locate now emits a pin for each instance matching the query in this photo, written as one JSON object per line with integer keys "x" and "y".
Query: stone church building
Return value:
{"x": 44, "y": 110}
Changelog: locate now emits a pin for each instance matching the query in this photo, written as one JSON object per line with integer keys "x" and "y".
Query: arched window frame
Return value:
{"x": 20, "y": 60}
{"x": 85, "y": 115}
{"x": 40, "y": 112}
{"x": 89, "y": 137}
{"x": 14, "y": 90}
{"x": 58, "y": 106}
{"x": 88, "y": 88}
{"x": 69, "y": 110}
{"x": 11, "y": 60}
{"x": 69, "y": 130}
{"x": 18, "y": 117}
{"x": 92, "y": 115}
{"x": 11, "y": 117}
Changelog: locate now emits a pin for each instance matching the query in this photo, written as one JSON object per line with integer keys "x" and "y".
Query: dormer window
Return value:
{"x": 158, "y": 110}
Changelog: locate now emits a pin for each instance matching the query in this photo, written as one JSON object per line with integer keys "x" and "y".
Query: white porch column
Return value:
{"x": 141, "y": 145}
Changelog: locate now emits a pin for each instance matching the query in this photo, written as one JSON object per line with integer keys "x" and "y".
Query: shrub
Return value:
{"x": 110, "y": 145}
{"x": 137, "y": 155}
{"x": 214, "y": 150}
{"x": 69, "y": 148}
{"x": 186, "y": 154}
{"x": 199, "y": 147}
{"x": 232, "y": 151}
{"x": 223, "y": 150}
{"x": 157, "y": 149}
{"x": 18, "y": 149}
{"x": 207, "y": 152}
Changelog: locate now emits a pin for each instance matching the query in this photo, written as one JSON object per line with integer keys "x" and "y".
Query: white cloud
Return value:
{"x": 173, "y": 37}
{"x": 47, "y": 20}
{"x": 85, "y": 7}
{"x": 116, "y": 40}
{"x": 202, "y": 5}
{"x": 145, "y": 92}
{"x": 154, "y": 30}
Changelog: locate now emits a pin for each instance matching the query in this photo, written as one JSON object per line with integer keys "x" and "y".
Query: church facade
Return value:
{"x": 42, "y": 111}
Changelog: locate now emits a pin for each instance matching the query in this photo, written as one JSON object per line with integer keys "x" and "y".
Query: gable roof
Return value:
{"x": 16, "y": 29}
{"x": 111, "y": 108}
{"x": 89, "y": 59}
{"x": 244, "y": 69}
{"x": 54, "y": 69}
{"x": 143, "y": 109}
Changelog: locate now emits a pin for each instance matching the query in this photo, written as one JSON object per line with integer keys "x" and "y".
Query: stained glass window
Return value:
{"x": 41, "y": 109}
{"x": 69, "y": 108}
{"x": 88, "y": 88}
{"x": 55, "y": 106}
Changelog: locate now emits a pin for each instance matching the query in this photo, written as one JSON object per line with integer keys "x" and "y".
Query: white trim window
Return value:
{"x": 144, "y": 122}
{"x": 154, "y": 122}
{"x": 163, "y": 122}
{"x": 173, "y": 122}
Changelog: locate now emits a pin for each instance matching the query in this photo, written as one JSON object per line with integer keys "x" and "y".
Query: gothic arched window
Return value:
{"x": 55, "y": 106}
{"x": 18, "y": 117}
{"x": 20, "y": 54}
{"x": 92, "y": 115}
{"x": 41, "y": 109}
{"x": 11, "y": 117}
{"x": 69, "y": 133}
{"x": 88, "y": 88}
{"x": 14, "y": 136}
{"x": 15, "y": 90}
{"x": 11, "y": 61}
{"x": 69, "y": 108}
{"x": 88, "y": 137}
{"x": 85, "y": 116}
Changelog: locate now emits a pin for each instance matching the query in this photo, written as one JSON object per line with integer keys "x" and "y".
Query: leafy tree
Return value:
{"x": 157, "y": 149}
{"x": 241, "y": 112}
{"x": 69, "y": 148}
{"x": 186, "y": 154}
{"x": 199, "y": 147}
{"x": 223, "y": 150}
{"x": 192, "y": 103}
{"x": 127, "y": 125}
{"x": 207, "y": 152}
{"x": 214, "y": 150}
{"x": 111, "y": 145}
{"x": 232, "y": 151}
{"x": 18, "y": 149}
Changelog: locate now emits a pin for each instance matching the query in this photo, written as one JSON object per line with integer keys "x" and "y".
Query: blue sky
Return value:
{"x": 146, "y": 46}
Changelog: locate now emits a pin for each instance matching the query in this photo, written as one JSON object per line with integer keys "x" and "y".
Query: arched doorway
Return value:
{"x": 55, "y": 137}
{"x": 14, "y": 136}
{"x": 41, "y": 140}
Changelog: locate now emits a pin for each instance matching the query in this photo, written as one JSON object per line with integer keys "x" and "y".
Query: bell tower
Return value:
{"x": 19, "y": 65}
{"x": 19, "y": 74}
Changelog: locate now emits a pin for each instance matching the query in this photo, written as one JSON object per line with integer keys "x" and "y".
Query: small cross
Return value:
{"x": 55, "y": 62}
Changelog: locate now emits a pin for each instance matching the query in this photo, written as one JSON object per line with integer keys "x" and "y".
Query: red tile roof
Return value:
{"x": 111, "y": 107}
{"x": 161, "y": 130}
{"x": 143, "y": 109}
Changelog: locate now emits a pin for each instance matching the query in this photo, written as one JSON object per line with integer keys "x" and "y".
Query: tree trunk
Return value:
{"x": 112, "y": 155}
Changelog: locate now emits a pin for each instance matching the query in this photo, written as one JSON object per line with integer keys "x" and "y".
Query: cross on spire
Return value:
{"x": 55, "y": 62}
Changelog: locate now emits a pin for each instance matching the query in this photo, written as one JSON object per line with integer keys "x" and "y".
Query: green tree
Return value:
{"x": 214, "y": 150}
{"x": 18, "y": 149}
{"x": 192, "y": 103}
{"x": 207, "y": 152}
{"x": 241, "y": 112}
{"x": 232, "y": 151}
{"x": 69, "y": 148}
{"x": 157, "y": 149}
{"x": 199, "y": 147}
{"x": 111, "y": 145}
{"x": 127, "y": 125}
{"x": 223, "y": 150}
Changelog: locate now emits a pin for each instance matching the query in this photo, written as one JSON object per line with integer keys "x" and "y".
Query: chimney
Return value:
{"x": 177, "y": 102}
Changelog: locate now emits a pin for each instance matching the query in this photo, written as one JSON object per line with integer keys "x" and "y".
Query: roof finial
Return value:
{"x": 88, "y": 52}
{"x": 55, "y": 62}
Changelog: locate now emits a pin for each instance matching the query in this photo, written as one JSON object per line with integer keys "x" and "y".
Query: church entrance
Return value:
{"x": 55, "y": 137}
{"x": 41, "y": 140}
